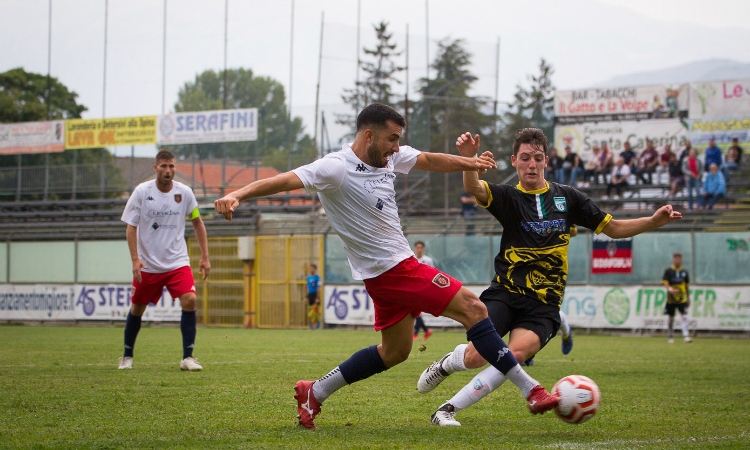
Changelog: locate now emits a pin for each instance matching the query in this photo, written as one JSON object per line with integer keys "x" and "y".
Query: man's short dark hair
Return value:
{"x": 378, "y": 114}
{"x": 533, "y": 136}
{"x": 677, "y": 254}
{"x": 418, "y": 243}
{"x": 164, "y": 155}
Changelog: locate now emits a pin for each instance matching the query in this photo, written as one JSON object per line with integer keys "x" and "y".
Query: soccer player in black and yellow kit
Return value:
{"x": 676, "y": 280}
{"x": 531, "y": 267}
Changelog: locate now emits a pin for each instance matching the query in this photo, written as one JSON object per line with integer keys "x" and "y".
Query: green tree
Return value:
{"x": 31, "y": 97}
{"x": 380, "y": 76}
{"x": 281, "y": 140}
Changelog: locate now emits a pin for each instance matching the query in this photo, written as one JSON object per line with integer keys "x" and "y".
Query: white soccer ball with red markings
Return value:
{"x": 579, "y": 398}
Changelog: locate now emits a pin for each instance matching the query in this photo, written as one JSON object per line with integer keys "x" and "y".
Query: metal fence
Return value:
{"x": 68, "y": 181}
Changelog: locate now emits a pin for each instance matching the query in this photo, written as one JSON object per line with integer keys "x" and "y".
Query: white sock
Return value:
{"x": 332, "y": 382}
{"x": 521, "y": 379}
{"x": 487, "y": 381}
{"x": 564, "y": 325}
{"x": 455, "y": 362}
{"x": 685, "y": 332}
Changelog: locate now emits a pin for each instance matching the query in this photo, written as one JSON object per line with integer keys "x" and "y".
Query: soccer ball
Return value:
{"x": 579, "y": 398}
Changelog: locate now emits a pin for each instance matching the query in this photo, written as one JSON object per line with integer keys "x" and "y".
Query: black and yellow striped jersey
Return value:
{"x": 679, "y": 279}
{"x": 533, "y": 256}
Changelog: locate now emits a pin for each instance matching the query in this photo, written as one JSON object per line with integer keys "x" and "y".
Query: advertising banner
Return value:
{"x": 722, "y": 130}
{"x": 621, "y": 104}
{"x": 95, "y": 133}
{"x": 642, "y": 307}
{"x": 582, "y": 137}
{"x": 32, "y": 137}
{"x": 719, "y": 99}
{"x": 112, "y": 302}
{"x": 37, "y": 302}
{"x": 611, "y": 255}
{"x": 208, "y": 126}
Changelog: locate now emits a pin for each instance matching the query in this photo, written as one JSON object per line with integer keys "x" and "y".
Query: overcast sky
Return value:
{"x": 586, "y": 41}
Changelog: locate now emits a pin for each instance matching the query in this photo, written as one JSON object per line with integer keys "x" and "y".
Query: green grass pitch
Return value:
{"x": 61, "y": 389}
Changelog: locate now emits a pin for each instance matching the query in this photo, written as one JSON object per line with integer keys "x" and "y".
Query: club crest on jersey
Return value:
{"x": 441, "y": 281}
{"x": 178, "y": 198}
{"x": 560, "y": 204}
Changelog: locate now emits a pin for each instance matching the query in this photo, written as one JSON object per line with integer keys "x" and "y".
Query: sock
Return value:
{"x": 685, "y": 332}
{"x": 487, "y": 381}
{"x": 132, "y": 327}
{"x": 188, "y": 328}
{"x": 670, "y": 327}
{"x": 564, "y": 325}
{"x": 455, "y": 362}
{"x": 491, "y": 346}
{"x": 330, "y": 383}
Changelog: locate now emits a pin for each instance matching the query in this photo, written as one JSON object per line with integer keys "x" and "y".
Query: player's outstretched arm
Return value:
{"x": 287, "y": 181}
{"x": 618, "y": 229}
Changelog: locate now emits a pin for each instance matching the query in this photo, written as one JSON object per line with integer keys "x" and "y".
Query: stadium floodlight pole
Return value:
{"x": 164, "y": 62}
{"x": 317, "y": 87}
{"x": 104, "y": 77}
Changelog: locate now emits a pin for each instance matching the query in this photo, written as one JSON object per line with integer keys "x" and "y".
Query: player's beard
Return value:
{"x": 375, "y": 157}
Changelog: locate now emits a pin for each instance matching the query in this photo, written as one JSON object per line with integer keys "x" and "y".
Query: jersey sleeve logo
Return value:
{"x": 561, "y": 204}
{"x": 178, "y": 198}
{"x": 441, "y": 281}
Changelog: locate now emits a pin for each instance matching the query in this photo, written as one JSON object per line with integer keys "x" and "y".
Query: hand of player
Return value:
{"x": 666, "y": 214}
{"x": 467, "y": 145}
{"x": 137, "y": 266}
{"x": 487, "y": 158}
{"x": 226, "y": 206}
{"x": 205, "y": 268}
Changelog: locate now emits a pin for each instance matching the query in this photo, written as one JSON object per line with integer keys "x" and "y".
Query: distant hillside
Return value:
{"x": 706, "y": 70}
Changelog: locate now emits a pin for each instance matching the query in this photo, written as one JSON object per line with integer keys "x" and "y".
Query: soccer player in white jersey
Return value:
{"x": 156, "y": 214}
{"x": 524, "y": 297}
{"x": 356, "y": 188}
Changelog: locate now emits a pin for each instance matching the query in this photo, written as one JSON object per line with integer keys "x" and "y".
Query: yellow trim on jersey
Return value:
{"x": 535, "y": 191}
{"x": 603, "y": 223}
{"x": 489, "y": 195}
{"x": 195, "y": 213}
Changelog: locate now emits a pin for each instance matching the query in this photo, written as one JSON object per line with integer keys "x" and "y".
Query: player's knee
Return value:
{"x": 188, "y": 301}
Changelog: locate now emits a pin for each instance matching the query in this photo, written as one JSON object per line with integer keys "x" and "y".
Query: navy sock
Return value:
{"x": 132, "y": 327}
{"x": 491, "y": 346}
{"x": 188, "y": 328}
{"x": 362, "y": 364}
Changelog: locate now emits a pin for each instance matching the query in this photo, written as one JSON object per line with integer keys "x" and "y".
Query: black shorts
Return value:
{"x": 669, "y": 308}
{"x": 311, "y": 297}
{"x": 508, "y": 311}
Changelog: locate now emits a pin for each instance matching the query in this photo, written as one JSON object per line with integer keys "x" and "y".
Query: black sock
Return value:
{"x": 132, "y": 327}
{"x": 362, "y": 364}
{"x": 491, "y": 346}
{"x": 188, "y": 328}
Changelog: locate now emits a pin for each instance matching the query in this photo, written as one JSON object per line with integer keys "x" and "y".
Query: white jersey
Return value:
{"x": 360, "y": 201}
{"x": 426, "y": 260}
{"x": 160, "y": 219}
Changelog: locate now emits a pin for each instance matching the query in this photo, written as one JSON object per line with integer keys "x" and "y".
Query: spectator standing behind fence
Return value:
{"x": 572, "y": 167}
{"x": 589, "y": 172}
{"x": 692, "y": 168}
{"x": 647, "y": 163}
{"x": 712, "y": 155}
{"x": 619, "y": 178}
{"x": 677, "y": 281}
{"x": 313, "y": 297}
{"x": 732, "y": 160}
{"x": 663, "y": 166}
{"x": 468, "y": 211}
{"x": 714, "y": 188}
{"x": 554, "y": 168}
{"x": 604, "y": 163}
{"x": 424, "y": 259}
{"x": 629, "y": 156}
{"x": 155, "y": 214}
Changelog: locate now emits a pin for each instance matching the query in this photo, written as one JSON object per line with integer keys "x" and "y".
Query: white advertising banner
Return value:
{"x": 625, "y": 307}
{"x": 229, "y": 125}
{"x": 719, "y": 99}
{"x": 37, "y": 302}
{"x": 112, "y": 302}
{"x": 642, "y": 307}
{"x": 621, "y": 104}
{"x": 32, "y": 137}
{"x": 582, "y": 137}
{"x": 78, "y": 302}
{"x": 722, "y": 130}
